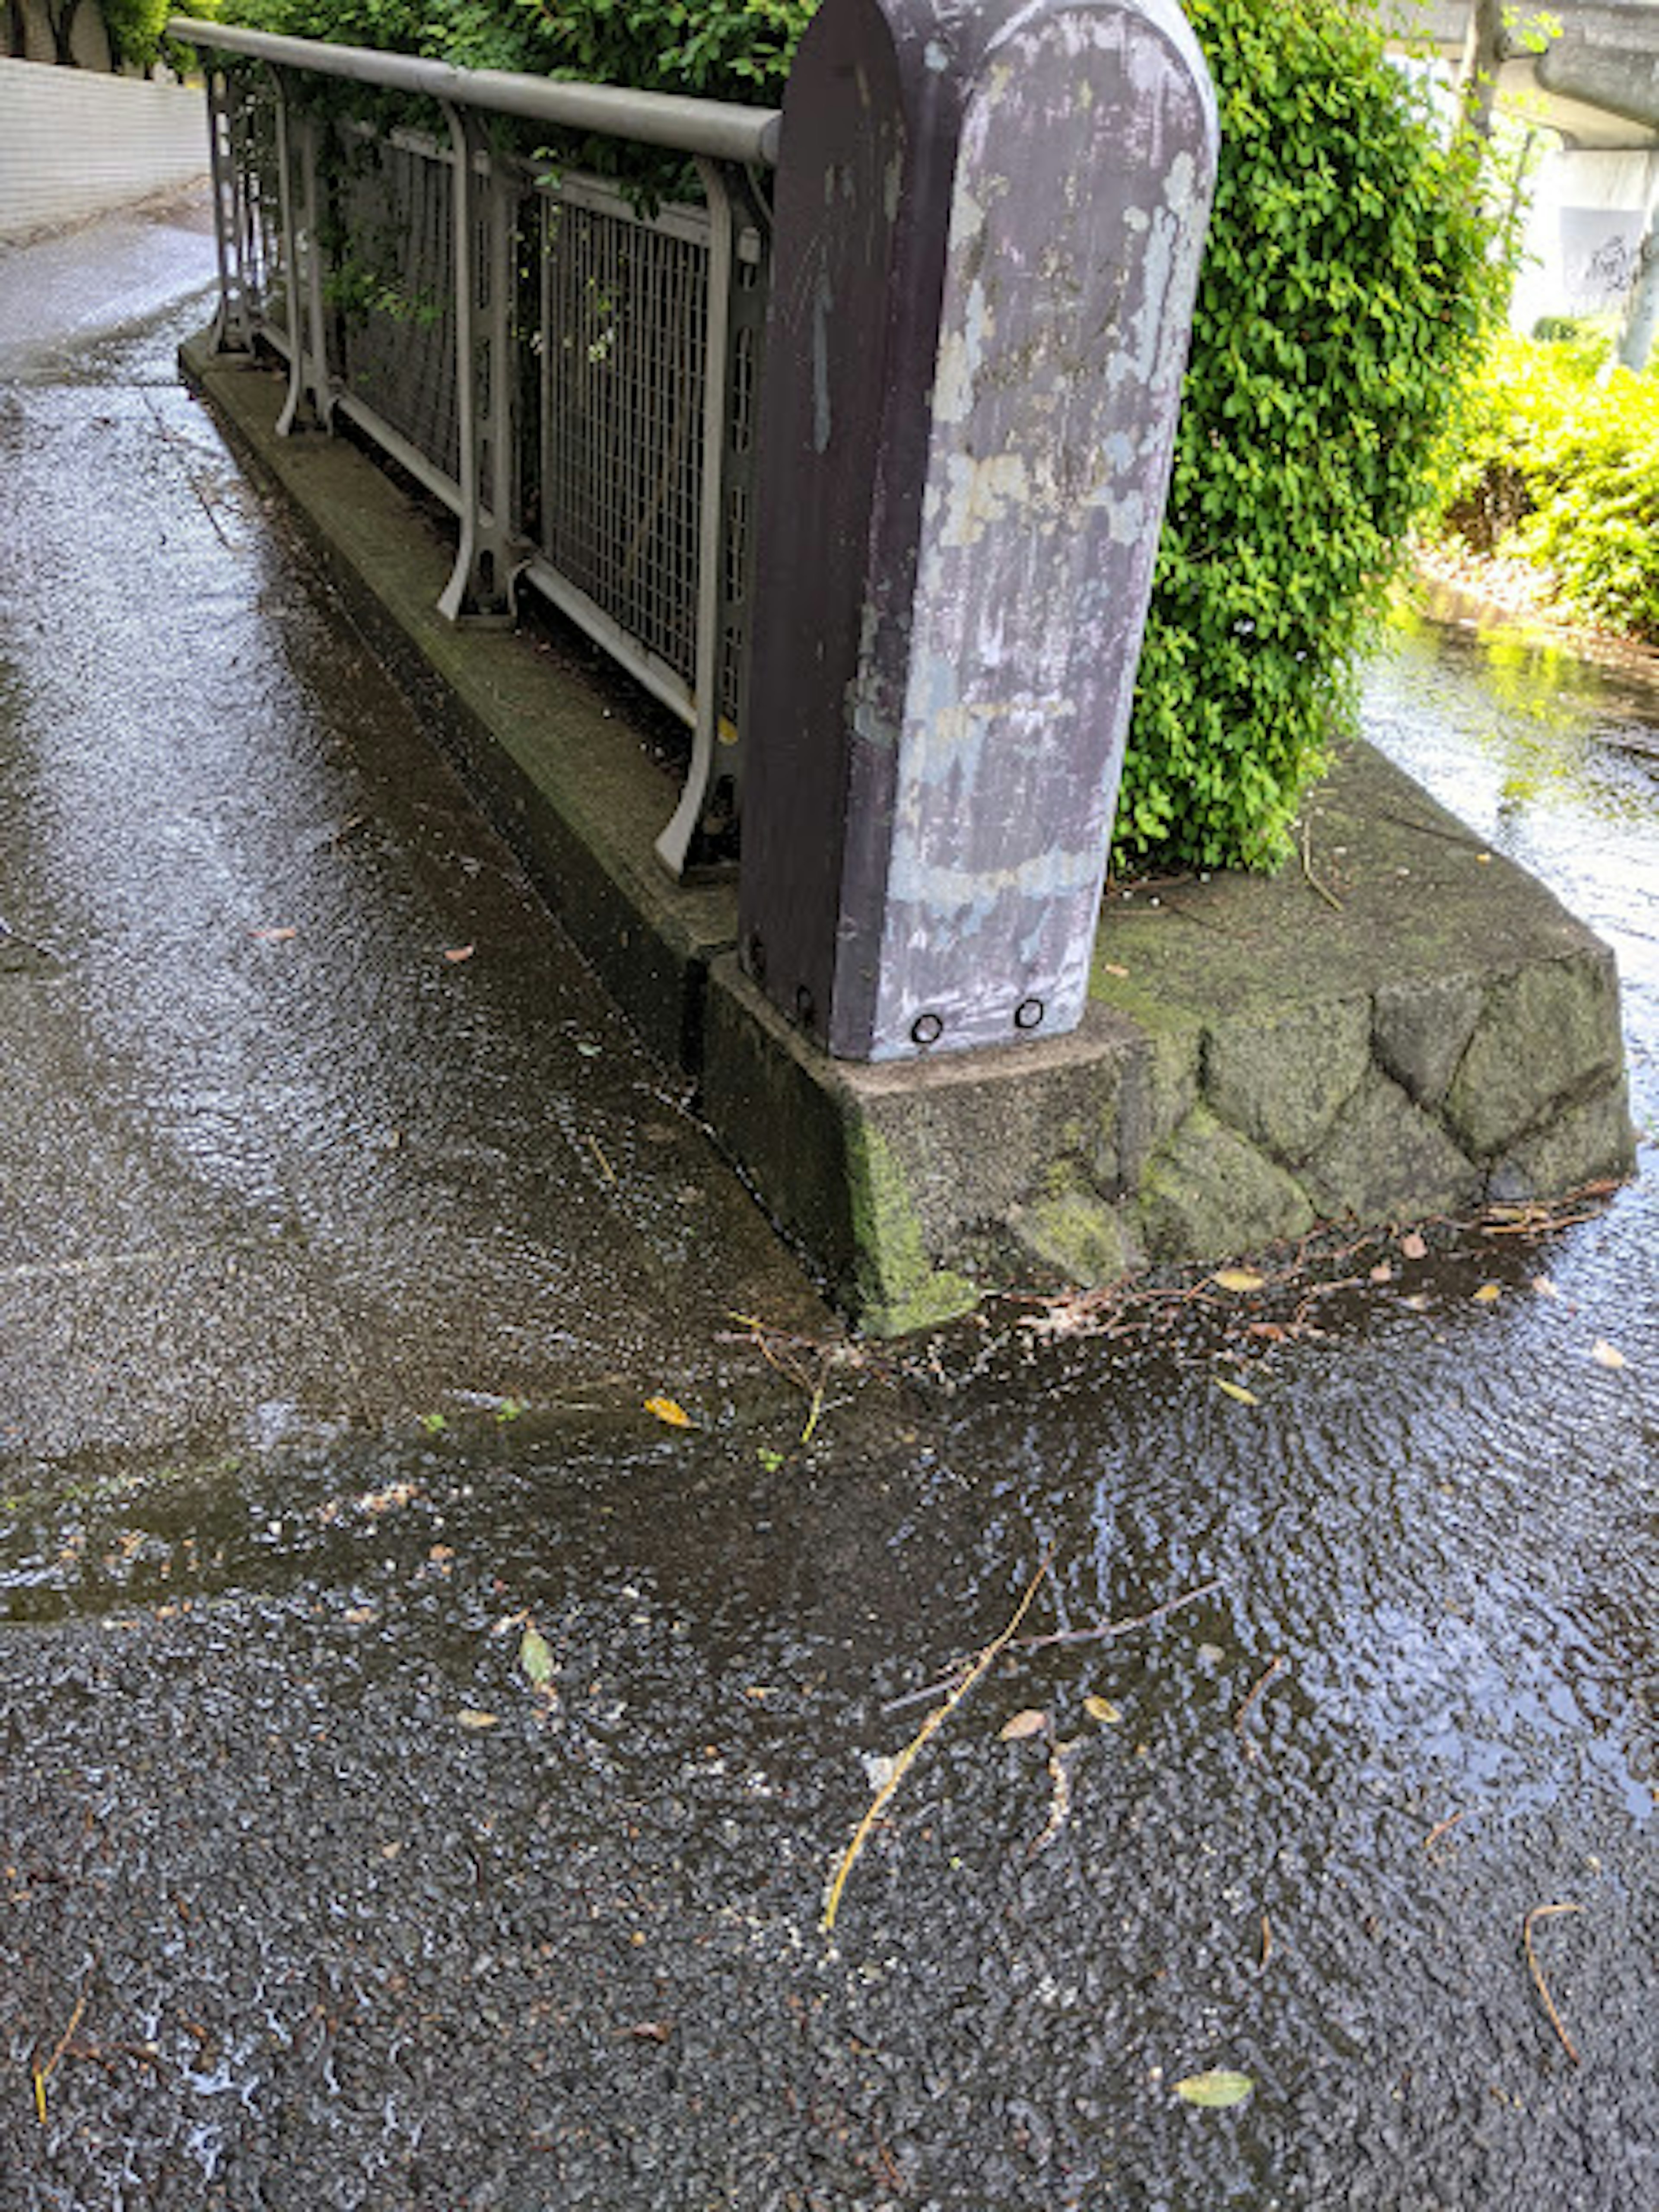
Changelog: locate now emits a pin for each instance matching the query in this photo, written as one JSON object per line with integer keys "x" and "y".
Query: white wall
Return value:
{"x": 1584, "y": 228}
{"x": 73, "y": 143}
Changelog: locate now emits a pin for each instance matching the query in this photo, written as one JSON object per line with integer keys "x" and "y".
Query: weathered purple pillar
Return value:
{"x": 989, "y": 223}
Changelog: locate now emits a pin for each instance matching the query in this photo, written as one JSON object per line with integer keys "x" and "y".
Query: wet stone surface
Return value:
{"x": 316, "y": 1896}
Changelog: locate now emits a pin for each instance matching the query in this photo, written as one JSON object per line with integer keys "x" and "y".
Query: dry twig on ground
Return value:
{"x": 43, "y": 2073}
{"x": 1243, "y": 1712}
{"x": 935, "y": 1720}
{"x": 1544, "y": 1912}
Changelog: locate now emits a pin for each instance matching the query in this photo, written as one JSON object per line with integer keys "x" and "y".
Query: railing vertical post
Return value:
{"x": 498, "y": 457}
{"x": 310, "y": 403}
{"x": 989, "y": 224}
{"x": 233, "y": 321}
{"x": 479, "y": 587}
{"x": 674, "y": 845}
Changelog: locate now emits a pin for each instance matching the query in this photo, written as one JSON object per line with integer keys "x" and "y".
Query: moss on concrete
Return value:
{"x": 1385, "y": 1159}
{"x": 1547, "y": 1039}
{"x": 1076, "y": 1234}
{"x": 1282, "y": 1081}
{"x": 1422, "y": 1027}
{"x": 1581, "y": 1146}
{"x": 1209, "y": 1193}
{"x": 898, "y": 1289}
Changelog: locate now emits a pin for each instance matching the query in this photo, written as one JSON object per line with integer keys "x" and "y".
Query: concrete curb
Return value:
{"x": 1408, "y": 1026}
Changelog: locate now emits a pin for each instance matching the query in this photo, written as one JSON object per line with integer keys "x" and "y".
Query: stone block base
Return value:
{"x": 1407, "y": 1024}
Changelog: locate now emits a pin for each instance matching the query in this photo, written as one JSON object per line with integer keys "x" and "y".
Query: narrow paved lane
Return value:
{"x": 274, "y": 1153}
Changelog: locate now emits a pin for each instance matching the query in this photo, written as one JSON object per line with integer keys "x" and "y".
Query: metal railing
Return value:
{"x": 571, "y": 373}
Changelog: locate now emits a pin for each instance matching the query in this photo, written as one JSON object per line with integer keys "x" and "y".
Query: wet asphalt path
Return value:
{"x": 311, "y": 1115}
{"x": 420, "y": 1767}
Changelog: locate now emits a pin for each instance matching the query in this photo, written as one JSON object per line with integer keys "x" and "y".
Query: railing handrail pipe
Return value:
{"x": 719, "y": 130}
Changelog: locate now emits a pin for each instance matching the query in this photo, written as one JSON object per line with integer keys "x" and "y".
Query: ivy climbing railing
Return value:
{"x": 569, "y": 368}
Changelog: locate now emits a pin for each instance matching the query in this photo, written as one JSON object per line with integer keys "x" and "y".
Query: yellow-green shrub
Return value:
{"x": 1572, "y": 446}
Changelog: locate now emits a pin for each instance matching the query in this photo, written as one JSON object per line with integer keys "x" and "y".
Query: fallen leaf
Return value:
{"x": 536, "y": 1657}
{"x": 1607, "y": 1355}
{"x": 1412, "y": 1246}
{"x": 1417, "y": 1303}
{"x": 1545, "y": 1288}
{"x": 460, "y": 953}
{"x": 1488, "y": 1294}
{"x": 1101, "y": 1709}
{"x": 471, "y": 1717}
{"x": 1382, "y": 1272}
{"x": 1238, "y": 1278}
{"x": 1111, "y": 968}
{"x": 1216, "y": 2090}
{"x": 1236, "y": 1390}
{"x": 1029, "y": 1722}
{"x": 675, "y": 1416}
{"x": 273, "y": 936}
{"x": 650, "y": 2030}
{"x": 382, "y": 1501}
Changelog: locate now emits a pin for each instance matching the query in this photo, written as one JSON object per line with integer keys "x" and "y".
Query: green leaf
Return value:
{"x": 536, "y": 1657}
{"x": 1236, "y": 1390}
{"x": 1215, "y": 2091}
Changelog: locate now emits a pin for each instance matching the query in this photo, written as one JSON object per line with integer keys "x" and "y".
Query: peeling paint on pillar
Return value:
{"x": 950, "y": 611}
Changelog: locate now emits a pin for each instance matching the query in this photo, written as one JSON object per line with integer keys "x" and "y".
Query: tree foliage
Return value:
{"x": 135, "y": 29}
{"x": 1559, "y": 466}
{"x": 719, "y": 49}
{"x": 1349, "y": 282}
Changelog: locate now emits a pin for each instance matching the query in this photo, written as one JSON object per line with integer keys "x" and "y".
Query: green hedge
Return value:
{"x": 1348, "y": 289}
{"x": 1559, "y": 466}
{"x": 1348, "y": 284}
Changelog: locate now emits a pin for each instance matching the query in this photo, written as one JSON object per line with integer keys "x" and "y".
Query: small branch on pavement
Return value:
{"x": 1243, "y": 1712}
{"x": 935, "y": 1720}
{"x": 44, "y": 2074}
{"x": 1543, "y": 1912}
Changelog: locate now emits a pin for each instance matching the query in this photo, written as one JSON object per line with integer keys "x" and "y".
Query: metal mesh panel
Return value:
{"x": 596, "y": 348}
{"x": 391, "y": 283}
{"x": 622, "y": 338}
{"x": 252, "y": 145}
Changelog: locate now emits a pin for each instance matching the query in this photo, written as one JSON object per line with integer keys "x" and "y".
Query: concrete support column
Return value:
{"x": 1641, "y": 318}
{"x": 989, "y": 220}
